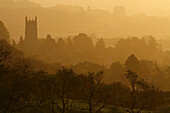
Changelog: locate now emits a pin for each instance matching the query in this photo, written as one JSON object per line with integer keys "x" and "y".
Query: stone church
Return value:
{"x": 31, "y": 35}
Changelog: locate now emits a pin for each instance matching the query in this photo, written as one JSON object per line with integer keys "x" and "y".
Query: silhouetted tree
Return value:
{"x": 142, "y": 92}
{"x": 16, "y": 93}
{"x": 65, "y": 88}
{"x": 95, "y": 94}
{"x": 132, "y": 63}
{"x": 4, "y": 34}
{"x": 100, "y": 45}
{"x": 83, "y": 42}
{"x": 59, "y": 90}
{"x": 6, "y": 54}
{"x": 116, "y": 71}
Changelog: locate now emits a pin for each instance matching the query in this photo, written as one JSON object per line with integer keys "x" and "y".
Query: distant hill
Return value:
{"x": 64, "y": 20}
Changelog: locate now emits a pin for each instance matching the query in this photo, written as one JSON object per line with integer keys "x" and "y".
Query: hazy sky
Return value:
{"x": 154, "y": 7}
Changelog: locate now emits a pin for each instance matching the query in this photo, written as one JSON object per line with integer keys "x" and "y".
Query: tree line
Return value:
{"x": 25, "y": 89}
{"x": 26, "y": 86}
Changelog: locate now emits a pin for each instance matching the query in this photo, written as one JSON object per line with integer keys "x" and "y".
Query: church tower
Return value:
{"x": 31, "y": 30}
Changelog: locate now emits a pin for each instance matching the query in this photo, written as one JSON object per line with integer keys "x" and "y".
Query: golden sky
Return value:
{"x": 151, "y": 7}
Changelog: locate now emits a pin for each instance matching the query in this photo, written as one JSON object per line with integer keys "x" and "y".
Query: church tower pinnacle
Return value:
{"x": 31, "y": 34}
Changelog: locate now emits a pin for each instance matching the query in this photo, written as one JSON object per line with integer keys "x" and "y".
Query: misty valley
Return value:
{"x": 82, "y": 72}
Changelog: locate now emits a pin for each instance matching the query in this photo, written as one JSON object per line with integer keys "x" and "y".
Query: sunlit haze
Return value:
{"x": 150, "y": 7}
{"x": 84, "y": 56}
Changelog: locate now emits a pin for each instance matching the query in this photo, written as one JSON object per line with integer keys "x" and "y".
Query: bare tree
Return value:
{"x": 59, "y": 90}
{"x": 16, "y": 94}
{"x": 142, "y": 92}
{"x": 95, "y": 93}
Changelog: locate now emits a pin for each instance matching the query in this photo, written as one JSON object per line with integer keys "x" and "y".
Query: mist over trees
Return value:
{"x": 81, "y": 48}
{"x": 77, "y": 74}
{"x": 26, "y": 89}
{"x": 141, "y": 55}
